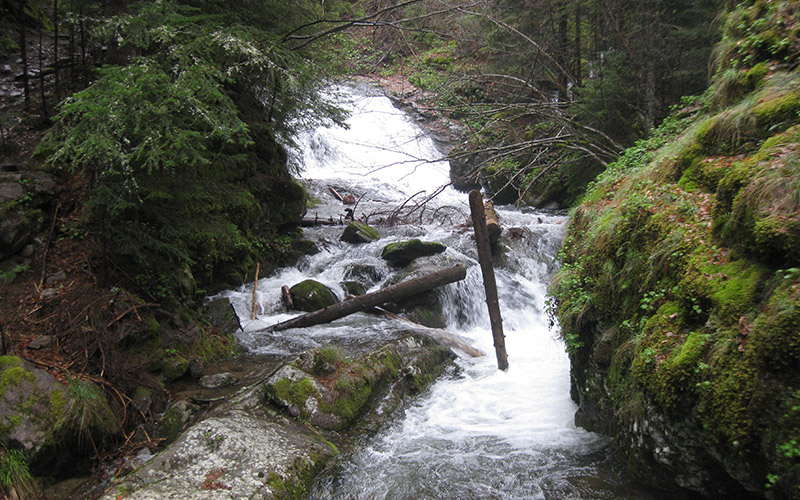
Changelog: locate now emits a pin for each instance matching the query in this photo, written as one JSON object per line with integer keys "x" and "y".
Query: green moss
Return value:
{"x": 13, "y": 377}
{"x": 774, "y": 339}
{"x": 734, "y": 288}
{"x": 294, "y": 392}
{"x": 296, "y": 485}
{"x": 9, "y": 362}
{"x": 352, "y": 395}
{"x": 310, "y": 295}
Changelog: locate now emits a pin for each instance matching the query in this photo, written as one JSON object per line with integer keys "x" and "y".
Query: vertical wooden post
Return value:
{"x": 255, "y": 288}
{"x": 489, "y": 283}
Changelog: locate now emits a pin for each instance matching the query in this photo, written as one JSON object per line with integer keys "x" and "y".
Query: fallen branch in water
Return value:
{"x": 362, "y": 302}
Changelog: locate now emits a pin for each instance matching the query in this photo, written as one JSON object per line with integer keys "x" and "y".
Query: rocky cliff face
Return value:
{"x": 680, "y": 287}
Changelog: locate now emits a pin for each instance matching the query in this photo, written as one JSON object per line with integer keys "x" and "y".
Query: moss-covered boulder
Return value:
{"x": 358, "y": 232}
{"x": 54, "y": 423}
{"x": 404, "y": 252}
{"x": 30, "y": 402}
{"x": 311, "y": 295}
{"x": 330, "y": 391}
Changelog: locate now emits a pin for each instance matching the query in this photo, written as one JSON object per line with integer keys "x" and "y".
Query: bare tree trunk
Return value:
{"x": 45, "y": 113}
{"x": 578, "y": 55}
{"x": 55, "y": 50}
{"x": 362, "y": 302}
{"x": 23, "y": 47}
{"x": 489, "y": 283}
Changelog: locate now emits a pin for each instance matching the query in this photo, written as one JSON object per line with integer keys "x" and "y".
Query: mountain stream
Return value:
{"x": 477, "y": 433}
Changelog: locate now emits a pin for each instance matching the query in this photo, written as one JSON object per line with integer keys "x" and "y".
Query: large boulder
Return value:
{"x": 403, "y": 253}
{"x": 55, "y": 424}
{"x": 310, "y": 295}
{"x": 358, "y": 232}
{"x": 262, "y": 443}
{"x": 30, "y": 400}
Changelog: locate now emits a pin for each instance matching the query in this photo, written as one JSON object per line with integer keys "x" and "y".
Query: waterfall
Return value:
{"x": 478, "y": 433}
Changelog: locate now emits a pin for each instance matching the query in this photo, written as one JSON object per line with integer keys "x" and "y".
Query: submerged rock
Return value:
{"x": 310, "y": 295}
{"x": 402, "y": 253}
{"x": 358, "y": 232}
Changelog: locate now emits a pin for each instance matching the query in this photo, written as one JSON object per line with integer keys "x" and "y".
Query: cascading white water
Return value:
{"x": 480, "y": 433}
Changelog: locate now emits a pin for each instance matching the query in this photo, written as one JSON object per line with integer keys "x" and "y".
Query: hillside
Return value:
{"x": 679, "y": 296}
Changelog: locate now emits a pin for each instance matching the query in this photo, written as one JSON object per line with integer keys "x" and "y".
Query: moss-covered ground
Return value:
{"x": 684, "y": 258}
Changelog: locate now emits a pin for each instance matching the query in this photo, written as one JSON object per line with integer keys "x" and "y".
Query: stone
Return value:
{"x": 56, "y": 277}
{"x": 16, "y": 231}
{"x": 246, "y": 448}
{"x": 353, "y": 288}
{"x": 218, "y": 380}
{"x": 174, "y": 367}
{"x": 197, "y": 368}
{"x": 178, "y": 416}
{"x": 349, "y": 199}
{"x": 310, "y": 295}
{"x": 403, "y": 253}
{"x": 358, "y": 232}
{"x": 219, "y": 312}
{"x": 30, "y": 399}
{"x": 41, "y": 342}
{"x": 364, "y": 273}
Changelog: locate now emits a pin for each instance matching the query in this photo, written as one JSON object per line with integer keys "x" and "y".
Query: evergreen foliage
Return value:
{"x": 179, "y": 144}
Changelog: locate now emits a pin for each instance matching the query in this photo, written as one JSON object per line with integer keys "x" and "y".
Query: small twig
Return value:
{"x": 255, "y": 288}
{"x": 130, "y": 310}
{"x": 47, "y": 246}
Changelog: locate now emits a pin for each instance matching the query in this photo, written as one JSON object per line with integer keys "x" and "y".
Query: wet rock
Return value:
{"x": 364, "y": 273}
{"x": 349, "y": 199}
{"x": 219, "y": 312}
{"x": 354, "y": 288}
{"x": 217, "y": 380}
{"x": 311, "y": 295}
{"x": 358, "y": 232}
{"x": 403, "y": 253}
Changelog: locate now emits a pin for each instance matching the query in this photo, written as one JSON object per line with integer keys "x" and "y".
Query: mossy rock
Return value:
{"x": 354, "y": 288}
{"x": 178, "y": 416}
{"x": 358, "y": 232}
{"x": 404, "y": 252}
{"x": 30, "y": 402}
{"x": 311, "y": 295}
{"x": 174, "y": 367}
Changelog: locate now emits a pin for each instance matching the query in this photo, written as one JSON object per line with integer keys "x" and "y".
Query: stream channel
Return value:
{"x": 477, "y": 433}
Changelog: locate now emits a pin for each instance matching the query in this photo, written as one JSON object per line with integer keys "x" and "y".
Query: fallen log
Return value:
{"x": 444, "y": 337}
{"x": 489, "y": 282}
{"x": 362, "y": 302}
{"x": 316, "y": 221}
{"x": 335, "y": 193}
{"x": 492, "y": 222}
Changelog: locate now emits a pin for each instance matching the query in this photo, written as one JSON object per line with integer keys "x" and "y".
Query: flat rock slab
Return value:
{"x": 241, "y": 451}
